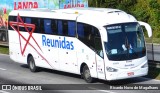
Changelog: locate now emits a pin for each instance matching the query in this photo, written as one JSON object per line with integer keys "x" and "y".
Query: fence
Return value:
{"x": 153, "y": 52}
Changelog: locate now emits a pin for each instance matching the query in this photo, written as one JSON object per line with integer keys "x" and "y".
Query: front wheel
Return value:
{"x": 31, "y": 64}
{"x": 86, "y": 75}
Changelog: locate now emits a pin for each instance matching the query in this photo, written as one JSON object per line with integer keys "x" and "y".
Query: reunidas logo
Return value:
{"x": 57, "y": 43}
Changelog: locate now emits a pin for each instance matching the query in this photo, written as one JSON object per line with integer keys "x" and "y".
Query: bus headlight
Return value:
{"x": 110, "y": 69}
{"x": 145, "y": 65}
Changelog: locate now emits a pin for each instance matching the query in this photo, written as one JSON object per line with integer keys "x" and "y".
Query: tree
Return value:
{"x": 144, "y": 10}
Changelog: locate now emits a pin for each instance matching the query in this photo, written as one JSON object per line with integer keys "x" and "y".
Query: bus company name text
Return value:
{"x": 61, "y": 43}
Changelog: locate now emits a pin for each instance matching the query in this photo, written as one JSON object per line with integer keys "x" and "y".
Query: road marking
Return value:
{"x": 101, "y": 90}
{"x": 2, "y": 69}
{"x": 4, "y": 91}
{"x": 105, "y": 91}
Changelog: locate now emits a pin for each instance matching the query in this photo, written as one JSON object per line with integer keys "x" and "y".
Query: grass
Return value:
{"x": 4, "y": 50}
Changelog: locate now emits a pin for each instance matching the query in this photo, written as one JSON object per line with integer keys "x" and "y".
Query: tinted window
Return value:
{"x": 36, "y": 21}
{"x": 47, "y": 26}
{"x": 87, "y": 34}
{"x": 14, "y": 19}
{"x": 21, "y": 28}
{"x": 65, "y": 28}
{"x": 71, "y": 28}
{"x": 80, "y": 30}
{"x": 54, "y": 27}
{"x": 27, "y": 20}
{"x": 60, "y": 29}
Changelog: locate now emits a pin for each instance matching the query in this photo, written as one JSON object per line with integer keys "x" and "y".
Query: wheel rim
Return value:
{"x": 87, "y": 74}
{"x": 31, "y": 64}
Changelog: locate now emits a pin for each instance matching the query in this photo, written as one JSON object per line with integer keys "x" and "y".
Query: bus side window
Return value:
{"x": 47, "y": 26}
{"x": 98, "y": 47}
{"x": 28, "y": 21}
{"x": 41, "y": 26}
{"x": 80, "y": 30}
{"x": 71, "y": 28}
{"x": 98, "y": 43}
{"x": 86, "y": 34}
{"x": 87, "y": 31}
{"x": 89, "y": 36}
{"x": 65, "y": 27}
{"x": 54, "y": 27}
{"x": 37, "y": 23}
{"x": 60, "y": 27}
{"x": 96, "y": 32}
{"x": 12, "y": 19}
{"x": 22, "y": 28}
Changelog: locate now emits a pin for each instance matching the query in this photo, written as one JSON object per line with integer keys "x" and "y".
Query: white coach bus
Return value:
{"x": 98, "y": 43}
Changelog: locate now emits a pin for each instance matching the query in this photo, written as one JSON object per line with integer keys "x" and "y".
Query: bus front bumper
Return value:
{"x": 126, "y": 74}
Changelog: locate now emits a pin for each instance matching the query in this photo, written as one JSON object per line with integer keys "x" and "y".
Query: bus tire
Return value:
{"x": 31, "y": 64}
{"x": 86, "y": 75}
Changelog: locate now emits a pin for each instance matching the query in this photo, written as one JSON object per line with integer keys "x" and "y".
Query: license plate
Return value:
{"x": 130, "y": 73}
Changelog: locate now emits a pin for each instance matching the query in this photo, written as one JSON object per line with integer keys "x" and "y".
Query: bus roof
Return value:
{"x": 93, "y": 16}
{"x": 73, "y": 10}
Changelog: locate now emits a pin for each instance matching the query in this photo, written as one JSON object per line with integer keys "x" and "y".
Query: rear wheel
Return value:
{"x": 86, "y": 75}
{"x": 31, "y": 64}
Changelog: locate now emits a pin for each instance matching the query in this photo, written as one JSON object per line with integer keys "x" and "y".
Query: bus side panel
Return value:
{"x": 14, "y": 48}
{"x": 68, "y": 55}
{"x": 86, "y": 55}
{"x": 41, "y": 54}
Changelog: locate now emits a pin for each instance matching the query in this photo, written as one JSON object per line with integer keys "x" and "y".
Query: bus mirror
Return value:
{"x": 148, "y": 28}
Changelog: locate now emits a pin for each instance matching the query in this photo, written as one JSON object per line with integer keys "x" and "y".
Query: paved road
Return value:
{"x": 15, "y": 73}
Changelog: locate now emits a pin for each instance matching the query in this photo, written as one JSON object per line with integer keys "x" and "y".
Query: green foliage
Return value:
{"x": 4, "y": 50}
{"x": 144, "y": 10}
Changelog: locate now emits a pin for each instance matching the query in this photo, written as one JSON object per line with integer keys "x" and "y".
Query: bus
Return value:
{"x": 100, "y": 43}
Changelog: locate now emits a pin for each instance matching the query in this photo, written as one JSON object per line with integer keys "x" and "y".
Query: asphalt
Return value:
{"x": 51, "y": 81}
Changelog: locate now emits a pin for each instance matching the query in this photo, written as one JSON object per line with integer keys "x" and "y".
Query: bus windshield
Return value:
{"x": 125, "y": 41}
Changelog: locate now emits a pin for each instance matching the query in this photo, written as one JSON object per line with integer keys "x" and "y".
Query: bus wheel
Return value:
{"x": 31, "y": 64}
{"x": 86, "y": 74}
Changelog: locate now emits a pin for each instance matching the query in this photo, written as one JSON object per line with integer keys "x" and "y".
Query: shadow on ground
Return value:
{"x": 97, "y": 81}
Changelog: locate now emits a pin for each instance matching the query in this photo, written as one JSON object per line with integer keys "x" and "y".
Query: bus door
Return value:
{"x": 99, "y": 58}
